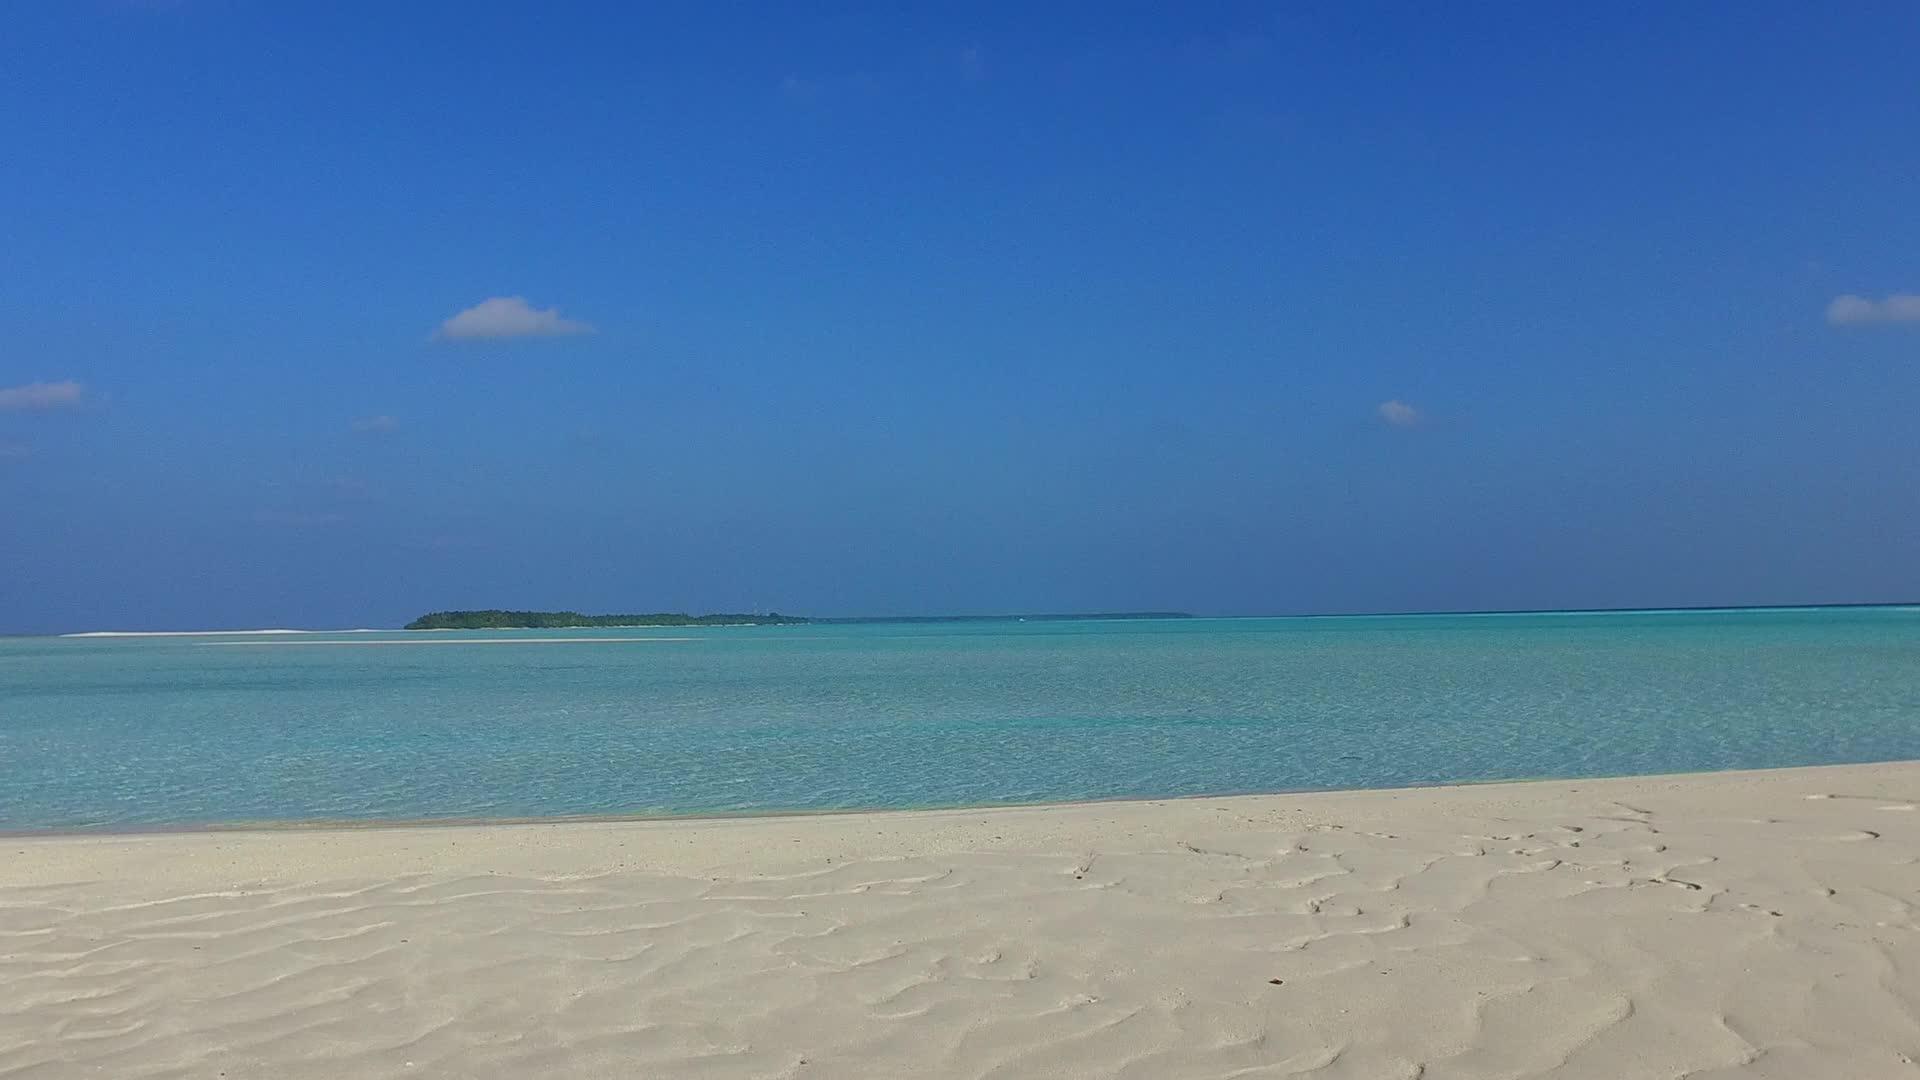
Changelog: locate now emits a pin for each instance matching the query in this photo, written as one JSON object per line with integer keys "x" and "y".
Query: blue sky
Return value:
{"x": 1230, "y": 308}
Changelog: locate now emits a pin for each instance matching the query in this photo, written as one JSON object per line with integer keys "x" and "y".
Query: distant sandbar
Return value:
{"x": 464, "y": 641}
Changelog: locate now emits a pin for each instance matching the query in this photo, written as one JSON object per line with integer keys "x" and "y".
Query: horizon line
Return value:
{"x": 1086, "y": 616}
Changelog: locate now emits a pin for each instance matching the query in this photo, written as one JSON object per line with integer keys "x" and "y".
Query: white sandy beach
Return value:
{"x": 1743, "y": 924}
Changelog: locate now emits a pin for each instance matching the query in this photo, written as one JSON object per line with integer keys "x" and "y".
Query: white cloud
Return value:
{"x": 1398, "y": 413}
{"x": 508, "y": 317}
{"x": 381, "y": 423}
{"x": 42, "y": 395}
{"x": 1853, "y": 310}
{"x": 15, "y": 451}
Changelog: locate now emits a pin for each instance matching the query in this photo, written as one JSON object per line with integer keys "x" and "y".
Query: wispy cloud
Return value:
{"x": 509, "y": 317}
{"x": 376, "y": 424}
{"x": 43, "y": 395}
{"x": 345, "y": 486}
{"x": 1398, "y": 413}
{"x": 15, "y": 451}
{"x": 1227, "y": 50}
{"x": 795, "y": 88}
{"x": 445, "y": 542}
{"x": 1853, "y": 310}
{"x": 298, "y": 519}
{"x": 820, "y": 89}
{"x": 973, "y": 64}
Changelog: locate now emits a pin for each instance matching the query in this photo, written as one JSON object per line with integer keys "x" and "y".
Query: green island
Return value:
{"x": 496, "y": 619}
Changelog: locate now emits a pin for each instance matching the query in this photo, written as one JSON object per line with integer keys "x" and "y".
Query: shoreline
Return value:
{"x": 1735, "y": 923}
{"x": 272, "y": 826}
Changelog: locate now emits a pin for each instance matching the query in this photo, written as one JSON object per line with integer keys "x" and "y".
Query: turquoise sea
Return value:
{"x": 125, "y": 732}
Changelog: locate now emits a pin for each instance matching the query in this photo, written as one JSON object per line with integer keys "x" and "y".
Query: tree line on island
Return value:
{"x": 496, "y": 619}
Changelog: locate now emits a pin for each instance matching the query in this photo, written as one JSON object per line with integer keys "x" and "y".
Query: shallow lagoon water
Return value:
{"x": 128, "y": 732}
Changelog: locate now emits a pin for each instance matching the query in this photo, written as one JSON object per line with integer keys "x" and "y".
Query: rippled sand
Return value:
{"x": 1752, "y": 925}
